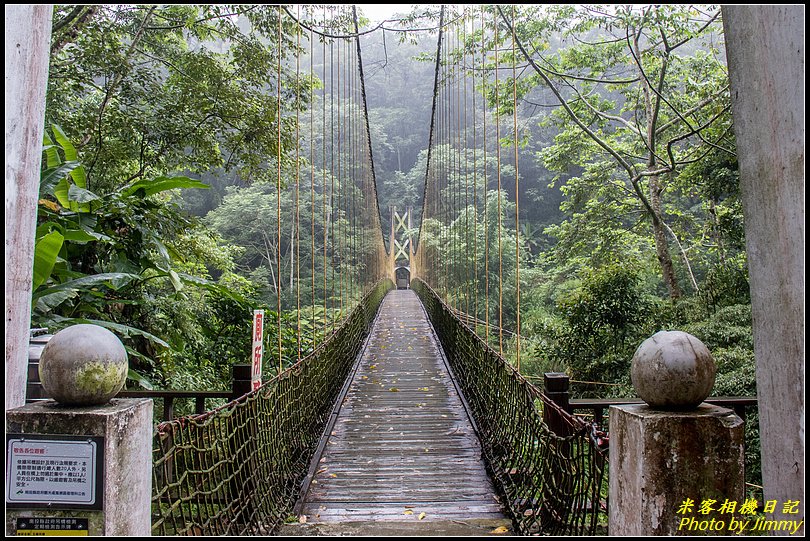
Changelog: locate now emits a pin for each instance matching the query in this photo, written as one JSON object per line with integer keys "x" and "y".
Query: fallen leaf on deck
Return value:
{"x": 421, "y": 516}
{"x": 394, "y": 390}
{"x": 500, "y": 529}
{"x": 408, "y": 512}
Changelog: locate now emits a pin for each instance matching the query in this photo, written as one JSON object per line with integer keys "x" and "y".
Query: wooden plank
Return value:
{"x": 402, "y": 440}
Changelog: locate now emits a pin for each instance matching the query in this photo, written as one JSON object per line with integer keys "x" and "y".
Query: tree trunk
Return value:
{"x": 28, "y": 30}
{"x": 765, "y": 48}
{"x": 652, "y": 104}
{"x": 661, "y": 244}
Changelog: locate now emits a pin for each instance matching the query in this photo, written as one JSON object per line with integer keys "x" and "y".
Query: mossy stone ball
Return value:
{"x": 83, "y": 365}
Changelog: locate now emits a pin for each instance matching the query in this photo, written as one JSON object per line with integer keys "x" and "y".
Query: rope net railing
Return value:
{"x": 237, "y": 470}
{"x": 551, "y": 481}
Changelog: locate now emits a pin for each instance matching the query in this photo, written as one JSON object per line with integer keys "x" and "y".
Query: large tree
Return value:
{"x": 643, "y": 93}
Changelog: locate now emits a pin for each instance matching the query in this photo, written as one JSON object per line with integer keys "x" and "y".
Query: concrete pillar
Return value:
{"x": 28, "y": 31}
{"x": 124, "y": 427}
{"x": 765, "y": 49}
{"x": 661, "y": 459}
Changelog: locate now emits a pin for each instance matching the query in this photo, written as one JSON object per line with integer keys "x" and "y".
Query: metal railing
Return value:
{"x": 556, "y": 386}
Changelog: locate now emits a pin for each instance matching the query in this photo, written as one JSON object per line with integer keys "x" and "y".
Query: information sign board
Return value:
{"x": 57, "y": 471}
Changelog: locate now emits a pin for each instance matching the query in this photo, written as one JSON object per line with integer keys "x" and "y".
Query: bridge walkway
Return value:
{"x": 402, "y": 452}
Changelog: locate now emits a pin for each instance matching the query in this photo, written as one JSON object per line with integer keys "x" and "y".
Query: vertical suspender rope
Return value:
{"x": 451, "y": 147}
{"x": 323, "y": 190}
{"x": 475, "y": 187}
{"x": 347, "y": 134}
{"x": 486, "y": 183}
{"x": 375, "y": 203}
{"x": 350, "y": 179}
{"x": 466, "y": 174}
{"x": 448, "y": 209}
{"x": 278, "y": 197}
{"x": 427, "y": 257}
{"x": 500, "y": 224}
{"x": 337, "y": 254}
{"x": 312, "y": 179}
{"x": 517, "y": 194}
{"x": 353, "y": 161}
{"x": 442, "y": 275}
{"x": 454, "y": 145}
{"x": 332, "y": 209}
{"x": 298, "y": 182}
{"x": 457, "y": 176}
{"x": 346, "y": 176}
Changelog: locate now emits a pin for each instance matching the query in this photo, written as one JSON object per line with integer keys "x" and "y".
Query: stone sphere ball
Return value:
{"x": 83, "y": 365}
{"x": 673, "y": 370}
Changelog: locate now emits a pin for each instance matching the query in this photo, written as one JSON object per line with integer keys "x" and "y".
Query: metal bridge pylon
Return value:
{"x": 401, "y": 247}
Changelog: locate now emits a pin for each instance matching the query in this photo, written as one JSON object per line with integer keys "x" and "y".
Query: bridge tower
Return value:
{"x": 401, "y": 247}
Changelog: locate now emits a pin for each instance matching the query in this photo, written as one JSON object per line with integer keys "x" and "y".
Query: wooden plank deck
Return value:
{"x": 402, "y": 448}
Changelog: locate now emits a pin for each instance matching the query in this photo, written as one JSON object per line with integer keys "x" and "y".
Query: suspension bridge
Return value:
{"x": 404, "y": 416}
{"x": 407, "y": 412}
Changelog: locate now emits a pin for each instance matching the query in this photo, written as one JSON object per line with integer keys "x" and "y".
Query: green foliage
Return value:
{"x": 596, "y": 325}
{"x": 609, "y": 303}
{"x": 124, "y": 260}
{"x": 150, "y": 89}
